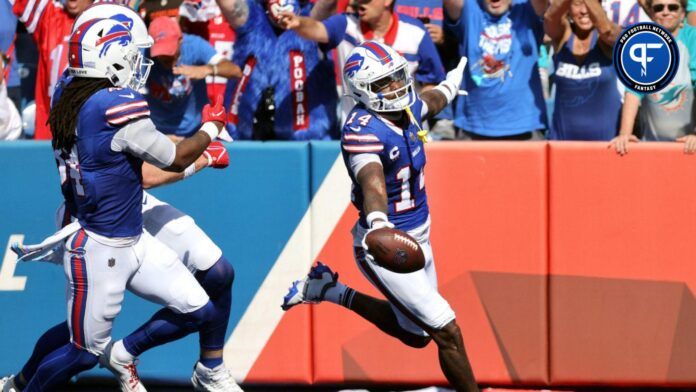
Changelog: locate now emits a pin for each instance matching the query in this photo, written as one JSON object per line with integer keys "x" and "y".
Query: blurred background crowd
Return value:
{"x": 537, "y": 69}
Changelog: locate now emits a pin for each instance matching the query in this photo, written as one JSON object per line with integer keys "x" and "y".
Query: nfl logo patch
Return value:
{"x": 112, "y": 262}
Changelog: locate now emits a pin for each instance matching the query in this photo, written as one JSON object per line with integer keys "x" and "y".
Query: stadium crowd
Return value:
{"x": 537, "y": 69}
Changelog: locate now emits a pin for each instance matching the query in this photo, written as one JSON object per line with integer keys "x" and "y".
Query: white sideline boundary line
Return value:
{"x": 263, "y": 314}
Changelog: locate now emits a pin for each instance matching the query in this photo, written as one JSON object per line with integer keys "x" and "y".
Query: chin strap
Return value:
{"x": 422, "y": 133}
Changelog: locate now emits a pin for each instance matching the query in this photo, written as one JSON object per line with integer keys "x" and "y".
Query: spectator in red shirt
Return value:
{"x": 50, "y": 24}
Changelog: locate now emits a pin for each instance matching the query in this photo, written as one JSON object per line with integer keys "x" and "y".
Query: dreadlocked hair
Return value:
{"x": 63, "y": 115}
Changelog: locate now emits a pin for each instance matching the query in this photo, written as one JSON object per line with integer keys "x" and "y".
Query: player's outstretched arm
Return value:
{"x": 214, "y": 156}
{"x": 235, "y": 11}
{"x": 444, "y": 93}
{"x": 141, "y": 139}
{"x": 305, "y": 27}
{"x": 154, "y": 176}
{"x": 189, "y": 149}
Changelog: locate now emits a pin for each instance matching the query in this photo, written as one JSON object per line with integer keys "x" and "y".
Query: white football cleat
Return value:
{"x": 218, "y": 379}
{"x": 312, "y": 288}
{"x": 8, "y": 385}
{"x": 126, "y": 373}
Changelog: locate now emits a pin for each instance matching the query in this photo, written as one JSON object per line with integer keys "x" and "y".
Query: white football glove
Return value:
{"x": 450, "y": 86}
{"x": 376, "y": 220}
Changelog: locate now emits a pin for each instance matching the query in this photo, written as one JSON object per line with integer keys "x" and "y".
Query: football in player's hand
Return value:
{"x": 395, "y": 250}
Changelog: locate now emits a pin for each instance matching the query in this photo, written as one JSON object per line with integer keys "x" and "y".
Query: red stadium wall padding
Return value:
{"x": 286, "y": 357}
{"x": 488, "y": 206}
{"x": 622, "y": 309}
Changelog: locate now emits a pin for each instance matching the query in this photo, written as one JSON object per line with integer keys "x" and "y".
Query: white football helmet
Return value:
{"x": 129, "y": 18}
{"x": 378, "y": 76}
{"x": 103, "y": 48}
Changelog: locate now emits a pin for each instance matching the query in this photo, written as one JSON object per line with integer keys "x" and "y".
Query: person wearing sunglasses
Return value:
{"x": 666, "y": 115}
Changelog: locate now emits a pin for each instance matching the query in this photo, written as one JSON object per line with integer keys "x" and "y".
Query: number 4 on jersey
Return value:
{"x": 406, "y": 203}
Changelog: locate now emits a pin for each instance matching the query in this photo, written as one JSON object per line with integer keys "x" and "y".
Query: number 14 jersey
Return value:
{"x": 402, "y": 156}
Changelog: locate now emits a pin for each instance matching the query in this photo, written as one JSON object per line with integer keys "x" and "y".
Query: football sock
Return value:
{"x": 210, "y": 363}
{"x": 340, "y": 294}
{"x": 51, "y": 340}
{"x": 58, "y": 367}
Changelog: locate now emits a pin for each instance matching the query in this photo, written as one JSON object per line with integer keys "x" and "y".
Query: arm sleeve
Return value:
{"x": 336, "y": 27}
{"x": 430, "y": 68}
{"x": 142, "y": 139}
{"x": 358, "y": 161}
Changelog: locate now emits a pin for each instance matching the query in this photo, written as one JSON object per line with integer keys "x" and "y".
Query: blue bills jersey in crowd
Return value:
{"x": 402, "y": 156}
{"x": 301, "y": 76}
{"x": 102, "y": 188}
{"x": 176, "y": 101}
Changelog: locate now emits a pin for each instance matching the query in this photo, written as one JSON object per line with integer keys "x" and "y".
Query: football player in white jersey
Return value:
{"x": 382, "y": 146}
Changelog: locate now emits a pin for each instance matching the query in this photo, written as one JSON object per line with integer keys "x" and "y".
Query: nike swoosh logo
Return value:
{"x": 218, "y": 113}
{"x": 130, "y": 95}
{"x": 355, "y": 129}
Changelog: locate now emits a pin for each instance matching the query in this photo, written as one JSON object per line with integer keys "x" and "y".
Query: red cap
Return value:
{"x": 166, "y": 33}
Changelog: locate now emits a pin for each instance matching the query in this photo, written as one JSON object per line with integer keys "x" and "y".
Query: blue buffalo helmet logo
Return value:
{"x": 353, "y": 64}
{"x": 118, "y": 34}
{"x": 124, "y": 20}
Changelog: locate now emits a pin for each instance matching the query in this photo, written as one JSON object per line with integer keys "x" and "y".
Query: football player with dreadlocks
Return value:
{"x": 102, "y": 133}
{"x": 177, "y": 231}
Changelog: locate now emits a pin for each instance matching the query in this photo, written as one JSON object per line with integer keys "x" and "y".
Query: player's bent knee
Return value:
{"x": 449, "y": 336}
{"x": 83, "y": 358}
{"x": 415, "y": 341}
{"x": 217, "y": 278}
{"x": 201, "y": 315}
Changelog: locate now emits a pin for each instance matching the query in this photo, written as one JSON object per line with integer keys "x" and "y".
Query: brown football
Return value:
{"x": 395, "y": 250}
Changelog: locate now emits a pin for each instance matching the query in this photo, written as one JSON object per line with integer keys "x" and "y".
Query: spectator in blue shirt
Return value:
{"x": 177, "y": 89}
{"x": 501, "y": 38}
{"x": 586, "y": 82}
